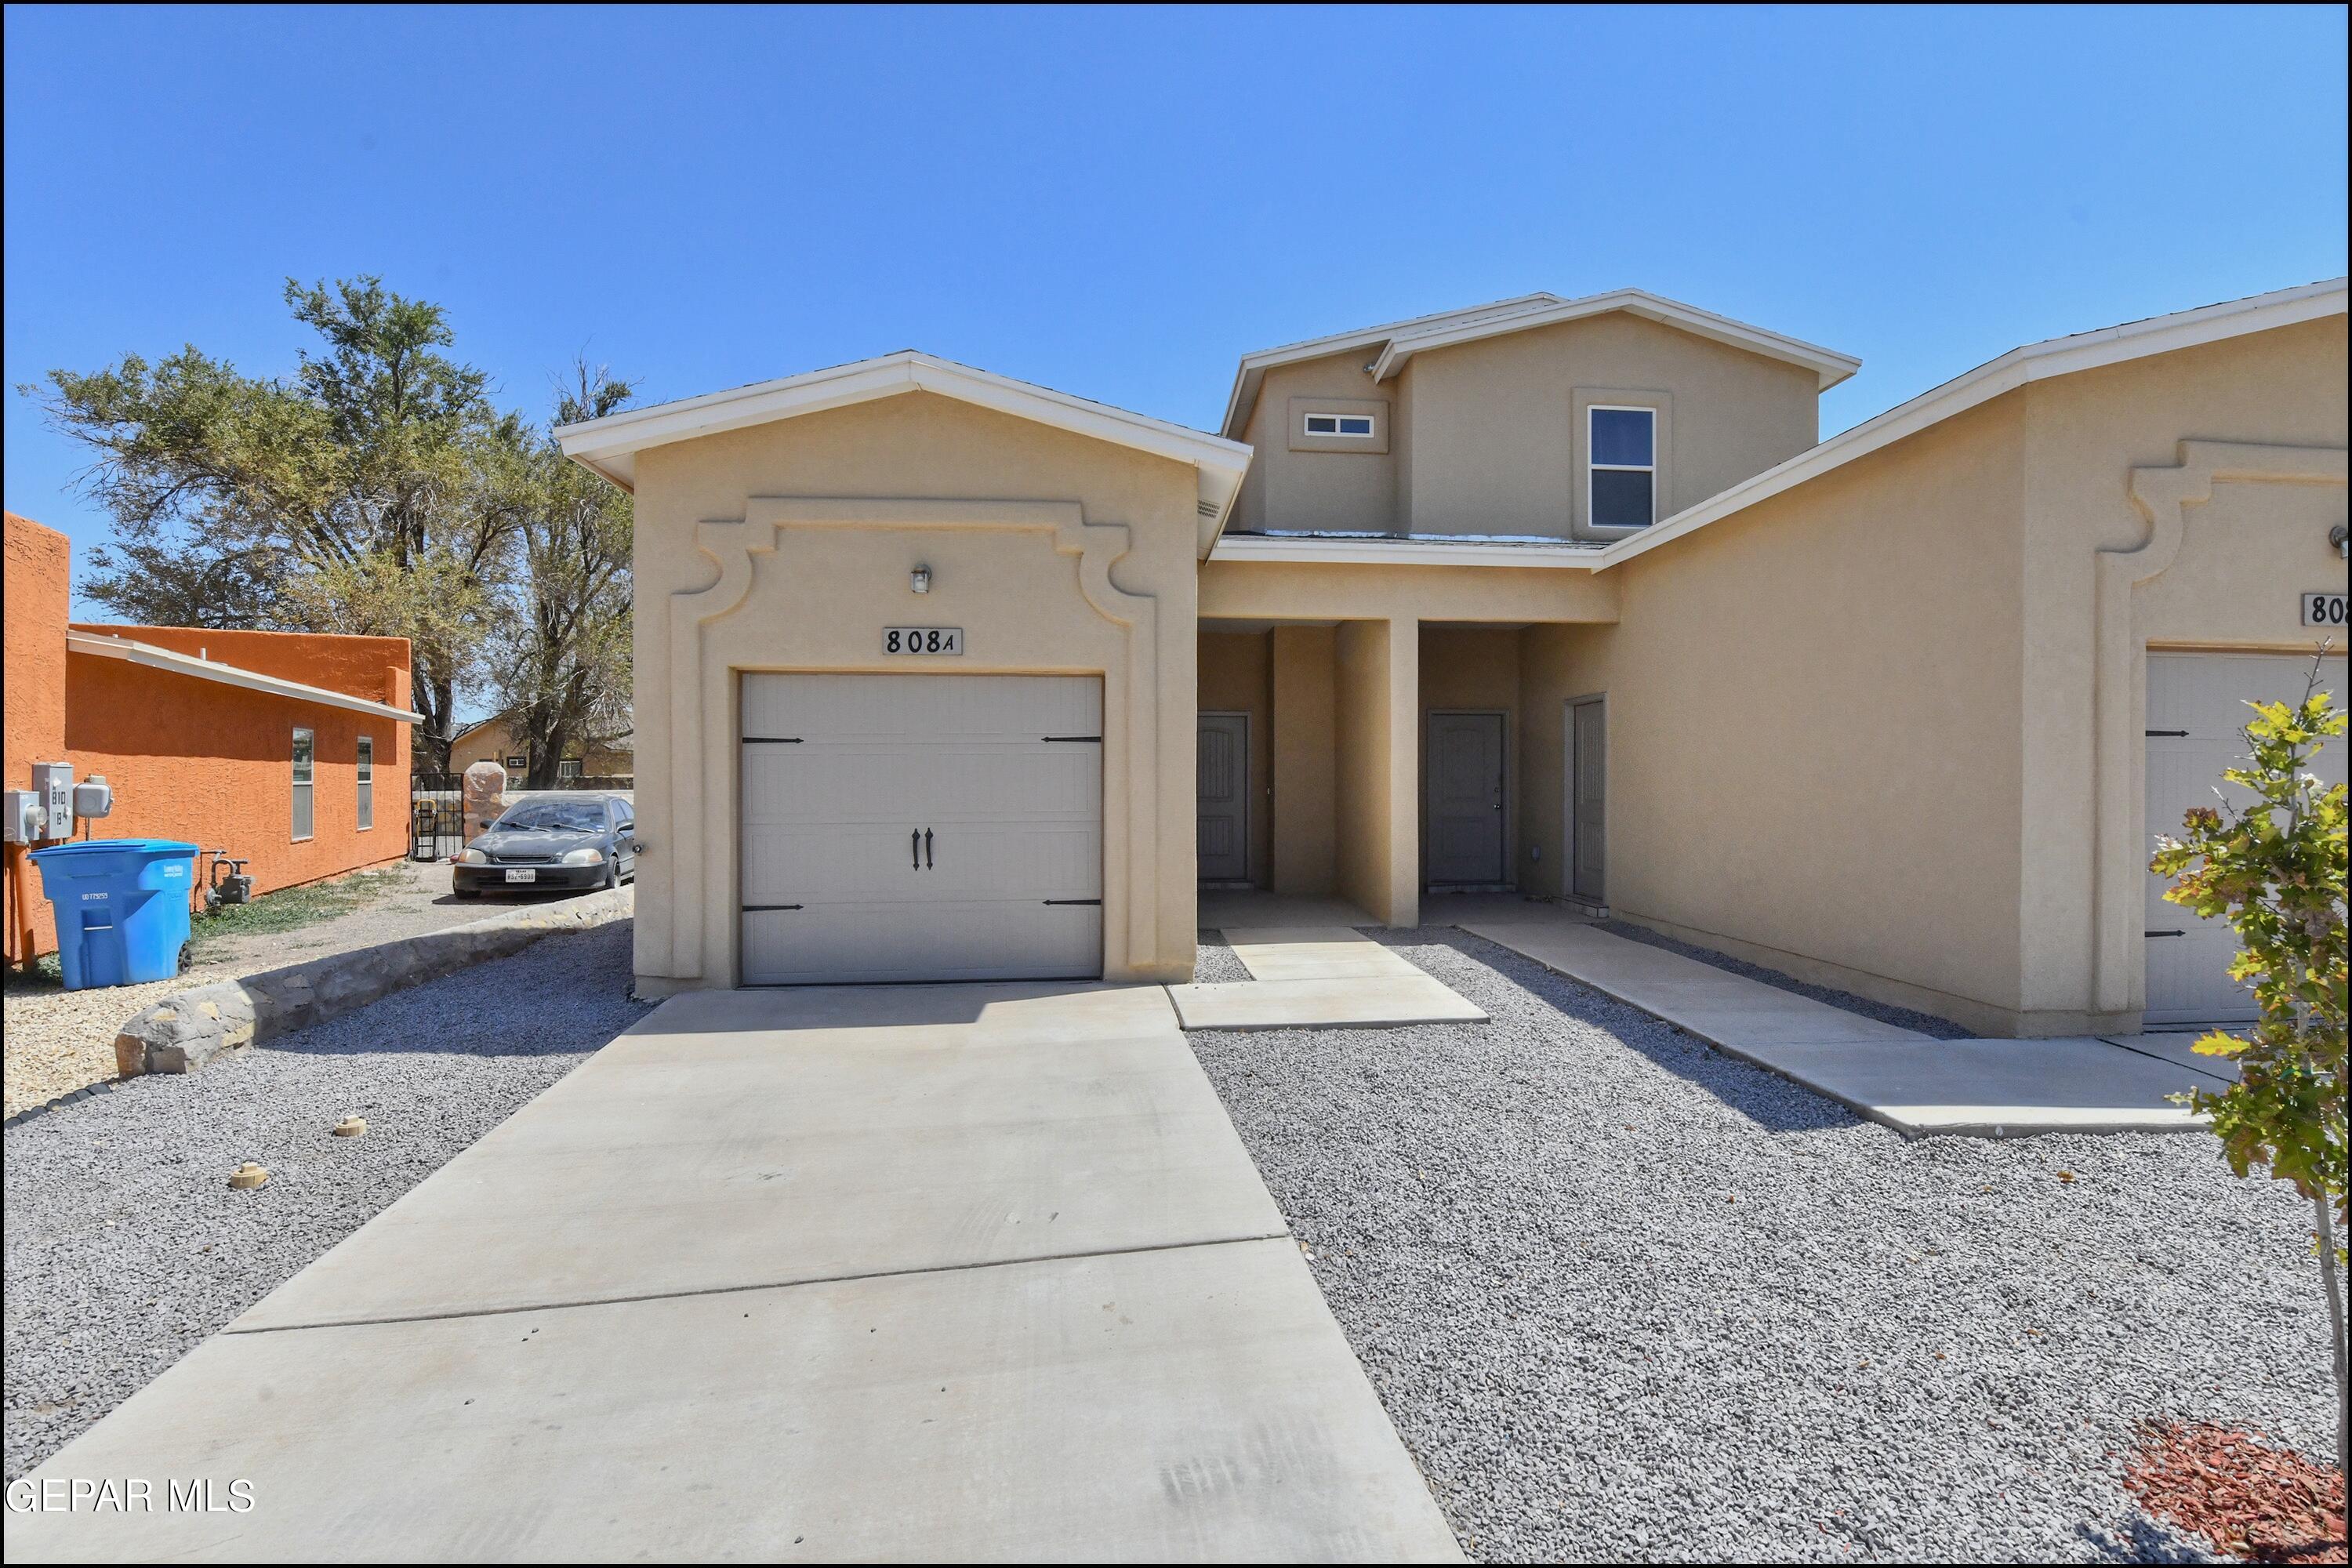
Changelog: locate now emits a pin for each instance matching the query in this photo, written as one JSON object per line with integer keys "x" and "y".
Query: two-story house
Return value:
{"x": 945, "y": 676}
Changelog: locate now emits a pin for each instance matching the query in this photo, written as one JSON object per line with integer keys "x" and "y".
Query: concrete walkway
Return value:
{"x": 923, "y": 1273}
{"x": 1910, "y": 1081}
{"x": 1319, "y": 977}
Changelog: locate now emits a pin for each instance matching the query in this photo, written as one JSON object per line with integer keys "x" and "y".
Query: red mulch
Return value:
{"x": 2249, "y": 1499}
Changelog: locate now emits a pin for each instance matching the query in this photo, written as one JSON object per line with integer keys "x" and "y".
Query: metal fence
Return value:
{"x": 436, "y": 808}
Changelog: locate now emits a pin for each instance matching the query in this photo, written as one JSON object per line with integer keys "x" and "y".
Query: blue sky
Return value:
{"x": 1119, "y": 203}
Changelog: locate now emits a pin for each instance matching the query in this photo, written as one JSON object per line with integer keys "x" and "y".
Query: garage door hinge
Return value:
{"x": 2165, "y": 933}
{"x": 1096, "y": 739}
{"x": 771, "y": 740}
{"x": 762, "y": 909}
{"x": 2182, "y": 733}
{"x": 1071, "y": 901}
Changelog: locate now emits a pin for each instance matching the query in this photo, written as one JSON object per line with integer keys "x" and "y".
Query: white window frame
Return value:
{"x": 515, "y": 765}
{"x": 1371, "y": 432}
{"x": 567, "y": 769}
{"x": 363, "y": 772}
{"x": 1591, "y": 512}
{"x": 306, "y": 784}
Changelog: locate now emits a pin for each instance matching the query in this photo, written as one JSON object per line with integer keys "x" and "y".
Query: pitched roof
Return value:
{"x": 2017, "y": 368}
{"x": 2034, "y": 361}
{"x": 1399, "y": 341}
{"x": 609, "y": 446}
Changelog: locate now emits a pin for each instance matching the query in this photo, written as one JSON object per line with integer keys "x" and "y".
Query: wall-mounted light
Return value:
{"x": 919, "y": 579}
{"x": 2340, "y": 536}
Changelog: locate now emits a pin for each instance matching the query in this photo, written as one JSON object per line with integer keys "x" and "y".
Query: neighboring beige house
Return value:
{"x": 493, "y": 741}
{"x": 946, "y": 676}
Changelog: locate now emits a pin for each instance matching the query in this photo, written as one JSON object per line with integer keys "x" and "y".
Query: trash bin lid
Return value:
{"x": 87, "y": 847}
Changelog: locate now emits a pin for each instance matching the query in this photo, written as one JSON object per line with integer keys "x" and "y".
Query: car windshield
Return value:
{"x": 570, "y": 815}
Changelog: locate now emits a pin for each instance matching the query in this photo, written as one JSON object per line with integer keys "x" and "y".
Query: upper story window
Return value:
{"x": 1622, "y": 475}
{"x": 1356, "y": 425}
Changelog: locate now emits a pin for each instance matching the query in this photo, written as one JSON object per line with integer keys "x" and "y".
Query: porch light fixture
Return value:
{"x": 2338, "y": 536}
{"x": 919, "y": 579}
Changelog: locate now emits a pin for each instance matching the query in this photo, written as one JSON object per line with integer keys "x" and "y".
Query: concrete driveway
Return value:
{"x": 915, "y": 1273}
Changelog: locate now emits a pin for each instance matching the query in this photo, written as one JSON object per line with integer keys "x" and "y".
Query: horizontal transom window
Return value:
{"x": 1621, "y": 476}
{"x": 1357, "y": 425}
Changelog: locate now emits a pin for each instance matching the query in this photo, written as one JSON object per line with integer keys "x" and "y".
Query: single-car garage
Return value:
{"x": 904, "y": 827}
{"x": 2195, "y": 710}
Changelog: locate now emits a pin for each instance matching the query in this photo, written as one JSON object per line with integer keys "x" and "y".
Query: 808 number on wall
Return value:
{"x": 922, "y": 640}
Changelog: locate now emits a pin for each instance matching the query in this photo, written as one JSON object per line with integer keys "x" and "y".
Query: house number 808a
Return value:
{"x": 922, "y": 640}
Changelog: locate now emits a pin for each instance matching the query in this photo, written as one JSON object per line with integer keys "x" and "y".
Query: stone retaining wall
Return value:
{"x": 189, "y": 1028}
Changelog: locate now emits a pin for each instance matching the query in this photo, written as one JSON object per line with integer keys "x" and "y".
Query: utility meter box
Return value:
{"x": 52, "y": 786}
{"x": 21, "y": 817}
{"x": 93, "y": 797}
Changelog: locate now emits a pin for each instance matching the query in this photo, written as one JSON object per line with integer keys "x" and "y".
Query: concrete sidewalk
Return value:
{"x": 924, "y": 1273}
{"x": 1907, "y": 1081}
{"x": 1319, "y": 977}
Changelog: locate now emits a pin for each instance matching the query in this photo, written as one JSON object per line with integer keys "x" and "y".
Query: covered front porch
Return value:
{"x": 1355, "y": 771}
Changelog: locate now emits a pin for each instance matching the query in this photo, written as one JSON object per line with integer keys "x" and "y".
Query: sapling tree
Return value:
{"x": 2270, "y": 860}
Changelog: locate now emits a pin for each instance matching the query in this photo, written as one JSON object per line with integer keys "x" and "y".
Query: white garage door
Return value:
{"x": 921, "y": 828}
{"x": 2196, "y": 706}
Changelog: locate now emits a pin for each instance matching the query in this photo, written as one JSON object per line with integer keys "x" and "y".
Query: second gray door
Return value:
{"x": 1222, "y": 797}
{"x": 1463, "y": 797}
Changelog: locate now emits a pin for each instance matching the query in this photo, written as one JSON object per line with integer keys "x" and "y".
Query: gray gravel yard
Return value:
{"x": 59, "y": 1040}
{"x": 1626, "y": 1298}
{"x": 125, "y": 1247}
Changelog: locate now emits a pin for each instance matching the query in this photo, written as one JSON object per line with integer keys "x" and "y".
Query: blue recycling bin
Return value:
{"x": 122, "y": 906}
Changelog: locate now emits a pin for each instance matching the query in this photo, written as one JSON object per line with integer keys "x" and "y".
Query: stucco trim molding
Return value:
{"x": 2162, "y": 496}
{"x": 702, "y": 709}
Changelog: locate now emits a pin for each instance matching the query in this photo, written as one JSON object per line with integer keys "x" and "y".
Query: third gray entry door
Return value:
{"x": 1587, "y": 801}
{"x": 1464, "y": 791}
{"x": 1222, "y": 797}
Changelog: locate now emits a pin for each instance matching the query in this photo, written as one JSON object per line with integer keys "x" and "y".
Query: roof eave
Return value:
{"x": 1995, "y": 378}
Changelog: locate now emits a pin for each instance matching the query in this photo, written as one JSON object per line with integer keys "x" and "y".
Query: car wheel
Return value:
{"x": 612, "y": 873}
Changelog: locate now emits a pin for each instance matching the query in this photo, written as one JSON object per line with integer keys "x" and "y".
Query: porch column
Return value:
{"x": 1305, "y": 740}
{"x": 1378, "y": 784}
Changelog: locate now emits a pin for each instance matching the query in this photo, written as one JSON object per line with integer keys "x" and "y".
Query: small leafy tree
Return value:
{"x": 2273, "y": 867}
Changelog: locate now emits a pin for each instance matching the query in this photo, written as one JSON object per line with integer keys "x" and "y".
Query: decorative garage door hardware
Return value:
{"x": 771, "y": 740}
{"x": 2182, "y": 732}
{"x": 1069, "y": 900}
{"x": 2167, "y": 933}
{"x": 1096, "y": 739}
{"x": 767, "y": 908}
{"x": 919, "y": 845}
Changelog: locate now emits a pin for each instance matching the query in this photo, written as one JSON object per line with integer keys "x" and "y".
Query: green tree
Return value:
{"x": 2273, "y": 864}
{"x": 377, "y": 491}
{"x": 562, "y": 641}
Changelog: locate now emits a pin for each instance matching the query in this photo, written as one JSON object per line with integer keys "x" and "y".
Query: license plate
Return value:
{"x": 522, "y": 876}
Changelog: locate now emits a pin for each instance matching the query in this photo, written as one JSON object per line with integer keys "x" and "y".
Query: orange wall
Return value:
{"x": 38, "y": 570}
{"x": 194, "y": 759}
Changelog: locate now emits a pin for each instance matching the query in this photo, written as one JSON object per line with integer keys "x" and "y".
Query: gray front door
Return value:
{"x": 1463, "y": 793}
{"x": 1223, "y": 797}
{"x": 1588, "y": 799}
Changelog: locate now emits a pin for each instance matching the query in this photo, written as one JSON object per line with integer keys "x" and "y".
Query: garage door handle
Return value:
{"x": 926, "y": 849}
{"x": 915, "y": 848}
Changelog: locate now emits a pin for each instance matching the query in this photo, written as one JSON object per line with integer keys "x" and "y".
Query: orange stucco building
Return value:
{"x": 198, "y": 732}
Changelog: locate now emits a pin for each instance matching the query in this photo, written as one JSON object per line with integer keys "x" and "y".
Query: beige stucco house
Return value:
{"x": 944, "y": 676}
{"x": 493, "y": 740}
